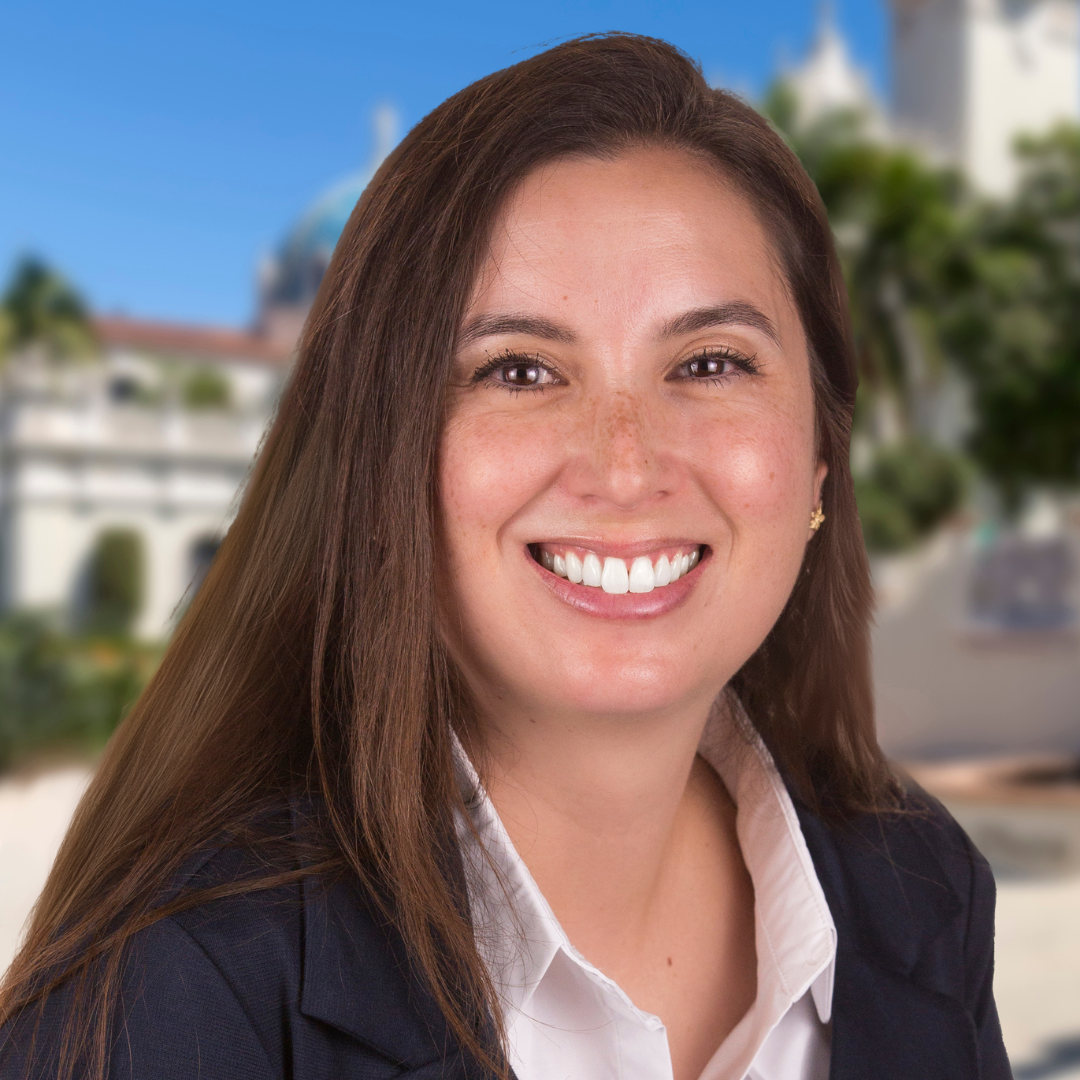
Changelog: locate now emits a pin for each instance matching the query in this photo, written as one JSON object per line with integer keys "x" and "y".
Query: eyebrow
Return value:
{"x": 490, "y": 325}
{"x": 738, "y": 312}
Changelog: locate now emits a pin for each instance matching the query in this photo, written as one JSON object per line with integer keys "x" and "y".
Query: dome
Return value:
{"x": 304, "y": 255}
{"x": 291, "y": 277}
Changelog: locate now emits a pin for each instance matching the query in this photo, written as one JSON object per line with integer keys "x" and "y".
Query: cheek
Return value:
{"x": 490, "y": 467}
{"x": 760, "y": 471}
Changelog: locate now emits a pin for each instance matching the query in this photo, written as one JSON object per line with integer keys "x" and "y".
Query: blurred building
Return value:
{"x": 152, "y": 437}
{"x": 828, "y": 79}
{"x": 969, "y": 76}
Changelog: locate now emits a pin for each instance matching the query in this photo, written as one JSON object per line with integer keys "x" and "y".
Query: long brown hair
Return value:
{"x": 311, "y": 658}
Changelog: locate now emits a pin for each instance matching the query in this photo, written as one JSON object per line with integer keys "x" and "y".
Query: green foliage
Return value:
{"x": 893, "y": 217}
{"x": 58, "y": 690}
{"x": 114, "y": 582}
{"x": 40, "y": 309}
{"x": 937, "y": 276}
{"x": 910, "y": 488}
{"x": 206, "y": 388}
{"x": 1011, "y": 320}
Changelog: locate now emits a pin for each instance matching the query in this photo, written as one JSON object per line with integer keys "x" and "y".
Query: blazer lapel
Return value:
{"x": 356, "y": 978}
{"x": 897, "y": 1006}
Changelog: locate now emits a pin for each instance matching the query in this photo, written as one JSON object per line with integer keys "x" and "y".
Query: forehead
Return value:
{"x": 650, "y": 229}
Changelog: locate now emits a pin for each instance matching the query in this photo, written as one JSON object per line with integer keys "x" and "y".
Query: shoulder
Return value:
{"x": 249, "y": 983}
{"x": 918, "y": 841}
{"x": 188, "y": 1001}
{"x": 906, "y": 885}
{"x": 913, "y": 904}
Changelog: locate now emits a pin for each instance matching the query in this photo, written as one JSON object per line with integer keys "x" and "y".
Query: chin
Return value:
{"x": 619, "y": 688}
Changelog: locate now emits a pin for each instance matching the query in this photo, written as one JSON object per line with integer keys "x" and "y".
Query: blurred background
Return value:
{"x": 173, "y": 185}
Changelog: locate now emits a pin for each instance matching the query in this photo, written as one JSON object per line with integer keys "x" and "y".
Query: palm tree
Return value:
{"x": 41, "y": 312}
{"x": 1013, "y": 323}
{"x": 894, "y": 218}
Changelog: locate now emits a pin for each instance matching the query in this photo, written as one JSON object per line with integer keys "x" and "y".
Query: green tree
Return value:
{"x": 1012, "y": 322}
{"x": 206, "y": 388}
{"x": 114, "y": 582}
{"x": 909, "y": 489}
{"x": 894, "y": 218}
{"x": 40, "y": 310}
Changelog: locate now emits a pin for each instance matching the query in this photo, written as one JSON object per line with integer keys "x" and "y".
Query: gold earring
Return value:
{"x": 816, "y": 518}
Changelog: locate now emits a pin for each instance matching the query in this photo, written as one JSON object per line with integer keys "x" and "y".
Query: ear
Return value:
{"x": 819, "y": 481}
{"x": 820, "y": 473}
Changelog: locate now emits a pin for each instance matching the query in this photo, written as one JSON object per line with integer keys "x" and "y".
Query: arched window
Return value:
{"x": 200, "y": 557}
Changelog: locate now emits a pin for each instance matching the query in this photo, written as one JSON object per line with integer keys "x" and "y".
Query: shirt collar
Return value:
{"x": 518, "y": 934}
{"x": 796, "y": 935}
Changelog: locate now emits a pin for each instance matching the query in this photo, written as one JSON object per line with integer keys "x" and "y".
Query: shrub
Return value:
{"x": 206, "y": 388}
{"x": 114, "y": 582}
{"x": 910, "y": 488}
{"x": 60, "y": 690}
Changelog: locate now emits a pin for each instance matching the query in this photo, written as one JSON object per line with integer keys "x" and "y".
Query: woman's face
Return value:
{"x": 628, "y": 467}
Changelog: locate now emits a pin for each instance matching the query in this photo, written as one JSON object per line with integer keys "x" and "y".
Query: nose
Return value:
{"x": 622, "y": 457}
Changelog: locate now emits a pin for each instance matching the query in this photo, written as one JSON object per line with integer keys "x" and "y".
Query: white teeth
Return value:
{"x": 591, "y": 571}
{"x": 615, "y": 579}
{"x": 663, "y": 571}
{"x": 573, "y": 568}
{"x": 613, "y": 576}
{"x": 642, "y": 577}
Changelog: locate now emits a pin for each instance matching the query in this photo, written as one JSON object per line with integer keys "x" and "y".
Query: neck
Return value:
{"x": 596, "y": 808}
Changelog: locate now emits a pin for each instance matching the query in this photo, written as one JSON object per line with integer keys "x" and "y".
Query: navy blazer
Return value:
{"x": 308, "y": 983}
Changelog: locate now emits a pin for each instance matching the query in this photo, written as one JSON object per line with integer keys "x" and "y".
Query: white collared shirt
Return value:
{"x": 566, "y": 1020}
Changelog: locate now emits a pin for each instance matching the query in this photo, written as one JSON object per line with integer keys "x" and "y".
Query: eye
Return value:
{"x": 516, "y": 372}
{"x": 716, "y": 364}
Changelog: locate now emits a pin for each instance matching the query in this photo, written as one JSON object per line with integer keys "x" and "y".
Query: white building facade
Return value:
{"x": 121, "y": 442}
{"x": 972, "y": 75}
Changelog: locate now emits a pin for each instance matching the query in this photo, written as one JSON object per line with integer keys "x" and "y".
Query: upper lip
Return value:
{"x": 627, "y": 549}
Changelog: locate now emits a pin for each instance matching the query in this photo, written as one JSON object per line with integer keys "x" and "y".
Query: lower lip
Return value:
{"x": 594, "y": 601}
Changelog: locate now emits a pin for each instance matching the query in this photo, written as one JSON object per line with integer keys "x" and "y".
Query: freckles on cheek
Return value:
{"x": 490, "y": 468}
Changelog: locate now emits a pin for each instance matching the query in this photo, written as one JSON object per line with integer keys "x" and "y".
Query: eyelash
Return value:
{"x": 507, "y": 358}
{"x": 747, "y": 364}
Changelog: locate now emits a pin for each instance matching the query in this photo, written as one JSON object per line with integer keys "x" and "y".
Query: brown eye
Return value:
{"x": 705, "y": 367}
{"x": 518, "y": 374}
{"x": 717, "y": 366}
{"x": 514, "y": 372}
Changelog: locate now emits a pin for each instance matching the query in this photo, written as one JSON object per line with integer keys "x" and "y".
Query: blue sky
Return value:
{"x": 153, "y": 151}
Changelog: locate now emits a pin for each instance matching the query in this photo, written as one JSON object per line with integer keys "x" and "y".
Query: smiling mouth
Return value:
{"x": 613, "y": 575}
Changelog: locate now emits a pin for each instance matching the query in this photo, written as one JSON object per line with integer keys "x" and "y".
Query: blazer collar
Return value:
{"x": 889, "y": 893}
{"x": 890, "y": 898}
{"x": 893, "y": 902}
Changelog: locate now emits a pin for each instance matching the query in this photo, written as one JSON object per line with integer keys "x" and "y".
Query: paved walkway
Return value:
{"x": 1038, "y": 976}
{"x": 1038, "y": 950}
{"x": 34, "y": 814}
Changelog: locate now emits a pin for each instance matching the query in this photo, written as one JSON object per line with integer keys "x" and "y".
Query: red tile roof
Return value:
{"x": 208, "y": 341}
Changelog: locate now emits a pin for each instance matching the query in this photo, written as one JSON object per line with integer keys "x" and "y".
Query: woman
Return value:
{"x": 524, "y": 720}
